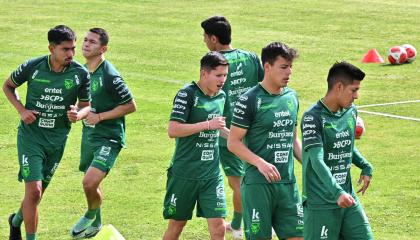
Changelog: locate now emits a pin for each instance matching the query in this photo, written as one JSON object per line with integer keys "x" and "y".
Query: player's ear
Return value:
{"x": 267, "y": 66}
{"x": 51, "y": 47}
{"x": 104, "y": 49}
{"x": 214, "y": 39}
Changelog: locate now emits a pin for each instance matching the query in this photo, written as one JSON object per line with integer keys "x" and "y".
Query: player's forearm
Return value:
{"x": 297, "y": 148}
{"x": 177, "y": 129}
{"x": 361, "y": 163}
{"x": 83, "y": 110}
{"x": 119, "y": 111}
{"x": 224, "y": 132}
{"x": 11, "y": 94}
{"x": 316, "y": 155}
{"x": 237, "y": 147}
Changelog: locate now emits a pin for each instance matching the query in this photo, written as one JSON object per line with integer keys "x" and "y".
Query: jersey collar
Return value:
{"x": 283, "y": 90}
{"x": 99, "y": 65}
{"x": 339, "y": 113}
{"x": 201, "y": 90}
{"x": 49, "y": 64}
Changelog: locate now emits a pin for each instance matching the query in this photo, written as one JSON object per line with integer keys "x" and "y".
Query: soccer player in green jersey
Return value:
{"x": 245, "y": 71}
{"x": 103, "y": 129}
{"x": 194, "y": 176}
{"x": 263, "y": 133}
{"x": 332, "y": 210}
{"x": 54, "y": 83}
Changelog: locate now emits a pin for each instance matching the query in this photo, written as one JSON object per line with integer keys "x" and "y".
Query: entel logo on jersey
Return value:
{"x": 308, "y": 118}
{"x": 182, "y": 94}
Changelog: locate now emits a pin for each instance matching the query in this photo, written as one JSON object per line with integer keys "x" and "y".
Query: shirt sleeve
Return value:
{"x": 182, "y": 105}
{"x": 119, "y": 90}
{"x": 361, "y": 163}
{"x": 311, "y": 131}
{"x": 316, "y": 158}
{"x": 84, "y": 89}
{"x": 22, "y": 73}
{"x": 244, "y": 112}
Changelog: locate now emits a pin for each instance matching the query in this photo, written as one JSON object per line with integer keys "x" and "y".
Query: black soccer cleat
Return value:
{"x": 15, "y": 233}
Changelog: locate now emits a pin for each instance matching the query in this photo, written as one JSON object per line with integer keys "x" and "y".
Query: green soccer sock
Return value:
{"x": 98, "y": 219}
{"x": 90, "y": 214}
{"x": 236, "y": 221}
{"x": 18, "y": 218}
{"x": 30, "y": 236}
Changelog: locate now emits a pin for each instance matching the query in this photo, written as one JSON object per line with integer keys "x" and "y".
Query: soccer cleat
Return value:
{"x": 92, "y": 231}
{"x": 236, "y": 233}
{"x": 15, "y": 233}
{"x": 79, "y": 229}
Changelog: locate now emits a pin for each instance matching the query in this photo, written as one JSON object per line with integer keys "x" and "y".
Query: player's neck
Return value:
{"x": 205, "y": 89}
{"x": 270, "y": 87}
{"x": 227, "y": 47}
{"x": 56, "y": 66}
{"x": 93, "y": 63}
{"x": 331, "y": 103}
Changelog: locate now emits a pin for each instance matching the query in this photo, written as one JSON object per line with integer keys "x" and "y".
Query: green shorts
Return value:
{"x": 276, "y": 206}
{"x": 338, "y": 223}
{"x": 37, "y": 162}
{"x": 183, "y": 194}
{"x": 231, "y": 164}
{"x": 101, "y": 155}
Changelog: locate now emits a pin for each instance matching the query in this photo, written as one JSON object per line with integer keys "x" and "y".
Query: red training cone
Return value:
{"x": 372, "y": 56}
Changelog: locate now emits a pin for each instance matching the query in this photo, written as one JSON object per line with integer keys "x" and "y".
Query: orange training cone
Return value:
{"x": 372, "y": 56}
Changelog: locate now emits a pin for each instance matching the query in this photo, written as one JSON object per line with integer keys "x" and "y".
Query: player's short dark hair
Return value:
{"x": 345, "y": 73}
{"x": 218, "y": 26}
{"x": 61, "y": 33}
{"x": 273, "y": 50}
{"x": 103, "y": 35}
{"x": 212, "y": 60}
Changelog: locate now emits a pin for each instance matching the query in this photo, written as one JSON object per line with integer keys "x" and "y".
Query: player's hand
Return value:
{"x": 72, "y": 114}
{"x": 92, "y": 118}
{"x": 269, "y": 171}
{"x": 366, "y": 181}
{"x": 217, "y": 123}
{"x": 28, "y": 116}
{"x": 345, "y": 200}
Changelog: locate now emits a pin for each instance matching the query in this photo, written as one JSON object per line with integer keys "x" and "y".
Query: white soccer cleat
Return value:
{"x": 236, "y": 233}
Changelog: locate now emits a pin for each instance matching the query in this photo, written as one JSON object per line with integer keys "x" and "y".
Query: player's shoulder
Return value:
{"x": 313, "y": 111}
{"x": 251, "y": 94}
{"x": 188, "y": 90}
{"x": 109, "y": 69}
{"x": 291, "y": 91}
{"x": 76, "y": 66}
{"x": 34, "y": 62}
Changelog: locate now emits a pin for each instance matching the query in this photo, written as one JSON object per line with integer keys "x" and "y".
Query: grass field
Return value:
{"x": 156, "y": 45}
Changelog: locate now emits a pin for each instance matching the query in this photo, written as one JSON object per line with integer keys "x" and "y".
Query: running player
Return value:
{"x": 193, "y": 175}
{"x": 263, "y": 133}
{"x": 245, "y": 71}
{"x": 103, "y": 129}
{"x": 54, "y": 83}
{"x": 332, "y": 210}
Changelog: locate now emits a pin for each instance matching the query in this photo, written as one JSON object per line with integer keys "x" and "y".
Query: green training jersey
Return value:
{"x": 334, "y": 133}
{"x": 51, "y": 94}
{"x": 270, "y": 121}
{"x": 108, "y": 91}
{"x": 196, "y": 156}
{"x": 245, "y": 71}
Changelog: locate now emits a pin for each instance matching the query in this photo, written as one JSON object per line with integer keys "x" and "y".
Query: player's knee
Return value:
{"x": 89, "y": 185}
{"x": 218, "y": 231}
{"x": 33, "y": 195}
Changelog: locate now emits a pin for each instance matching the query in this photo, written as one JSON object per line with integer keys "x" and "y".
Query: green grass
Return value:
{"x": 157, "y": 45}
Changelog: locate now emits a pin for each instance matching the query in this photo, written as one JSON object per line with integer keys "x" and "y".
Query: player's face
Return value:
{"x": 63, "y": 53}
{"x": 279, "y": 73}
{"x": 215, "y": 78}
{"x": 92, "y": 46}
{"x": 348, "y": 93}
{"x": 209, "y": 40}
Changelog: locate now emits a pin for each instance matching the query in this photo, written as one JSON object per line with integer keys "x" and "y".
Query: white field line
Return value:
{"x": 390, "y": 115}
{"x": 385, "y": 104}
